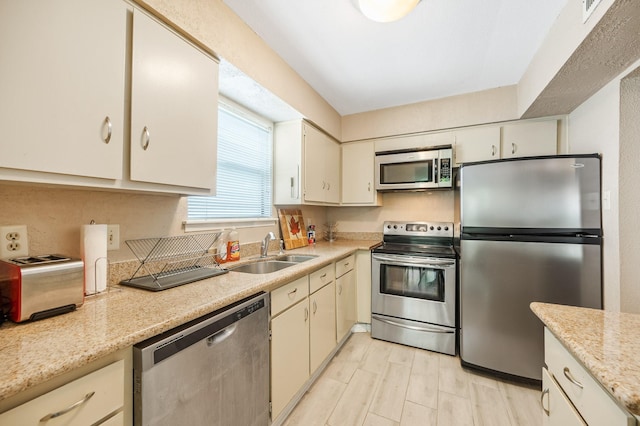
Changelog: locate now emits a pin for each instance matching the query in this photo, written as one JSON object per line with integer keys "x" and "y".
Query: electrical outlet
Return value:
{"x": 13, "y": 241}
{"x": 113, "y": 237}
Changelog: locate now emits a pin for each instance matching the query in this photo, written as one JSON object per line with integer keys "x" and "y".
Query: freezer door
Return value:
{"x": 557, "y": 192}
{"x": 499, "y": 279}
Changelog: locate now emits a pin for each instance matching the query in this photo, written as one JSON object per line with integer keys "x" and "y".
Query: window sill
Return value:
{"x": 219, "y": 224}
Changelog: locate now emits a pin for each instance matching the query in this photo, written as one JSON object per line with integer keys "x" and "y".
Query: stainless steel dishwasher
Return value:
{"x": 211, "y": 371}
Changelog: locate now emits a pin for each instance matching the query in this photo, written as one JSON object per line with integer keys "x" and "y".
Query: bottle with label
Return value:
{"x": 221, "y": 248}
{"x": 233, "y": 246}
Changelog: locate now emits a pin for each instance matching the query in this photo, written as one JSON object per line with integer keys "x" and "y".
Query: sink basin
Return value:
{"x": 296, "y": 257}
{"x": 265, "y": 267}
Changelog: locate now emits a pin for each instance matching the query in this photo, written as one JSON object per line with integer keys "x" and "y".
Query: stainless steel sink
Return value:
{"x": 296, "y": 257}
{"x": 265, "y": 267}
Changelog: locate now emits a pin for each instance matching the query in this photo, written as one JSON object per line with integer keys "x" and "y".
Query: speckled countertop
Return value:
{"x": 31, "y": 353}
{"x": 606, "y": 343}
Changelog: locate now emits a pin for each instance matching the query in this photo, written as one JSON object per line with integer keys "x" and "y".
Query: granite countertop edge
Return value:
{"x": 606, "y": 343}
{"x": 33, "y": 353}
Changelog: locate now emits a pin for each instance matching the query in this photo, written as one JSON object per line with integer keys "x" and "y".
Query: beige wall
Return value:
{"x": 488, "y": 106}
{"x": 608, "y": 123}
{"x": 629, "y": 193}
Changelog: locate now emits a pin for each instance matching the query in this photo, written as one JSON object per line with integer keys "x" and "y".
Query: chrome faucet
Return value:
{"x": 265, "y": 243}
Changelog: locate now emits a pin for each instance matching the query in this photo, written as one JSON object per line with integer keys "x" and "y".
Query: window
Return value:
{"x": 244, "y": 168}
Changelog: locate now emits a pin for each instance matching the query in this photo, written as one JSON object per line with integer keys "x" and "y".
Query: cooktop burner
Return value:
{"x": 418, "y": 239}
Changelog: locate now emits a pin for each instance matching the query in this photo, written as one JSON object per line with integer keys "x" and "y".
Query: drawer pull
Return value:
{"x": 346, "y": 264}
{"x": 340, "y": 289}
{"x": 544, "y": 392}
{"x": 306, "y": 314}
{"x": 569, "y": 376}
{"x": 293, "y": 292}
{"x": 73, "y": 406}
{"x": 315, "y": 307}
{"x": 107, "y": 138}
{"x": 323, "y": 276}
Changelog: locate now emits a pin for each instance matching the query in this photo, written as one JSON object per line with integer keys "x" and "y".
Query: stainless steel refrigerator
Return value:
{"x": 530, "y": 231}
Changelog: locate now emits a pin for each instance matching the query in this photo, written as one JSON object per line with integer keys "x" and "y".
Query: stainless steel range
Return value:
{"x": 413, "y": 278}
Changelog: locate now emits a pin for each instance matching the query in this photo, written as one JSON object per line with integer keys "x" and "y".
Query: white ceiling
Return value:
{"x": 442, "y": 48}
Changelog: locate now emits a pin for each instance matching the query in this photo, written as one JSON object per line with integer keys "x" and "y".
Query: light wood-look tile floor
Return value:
{"x": 375, "y": 383}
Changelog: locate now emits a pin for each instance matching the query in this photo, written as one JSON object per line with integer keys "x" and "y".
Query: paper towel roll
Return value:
{"x": 93, "y": 245}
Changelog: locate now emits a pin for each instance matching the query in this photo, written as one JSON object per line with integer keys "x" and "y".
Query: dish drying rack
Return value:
{"x": 173, "y": 261}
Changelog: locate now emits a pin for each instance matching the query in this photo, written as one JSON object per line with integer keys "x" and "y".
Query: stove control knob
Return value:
{"x": 388, "y": 226}
{"x": 446, "y": 228}
{"x": 439, "y": 228}
{"x": 395, "y": 226}
{"x": 431, "y": 227}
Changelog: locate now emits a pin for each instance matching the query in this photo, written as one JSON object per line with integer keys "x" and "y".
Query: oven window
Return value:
{"x": 418, "y": 171}
{"x": 409, "y": 281}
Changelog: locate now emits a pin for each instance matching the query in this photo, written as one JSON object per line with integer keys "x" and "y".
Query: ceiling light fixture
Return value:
{"x": 386, "y": 10}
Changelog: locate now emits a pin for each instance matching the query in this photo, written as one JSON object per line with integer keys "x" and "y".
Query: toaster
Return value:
{"x": 36, "y": 287}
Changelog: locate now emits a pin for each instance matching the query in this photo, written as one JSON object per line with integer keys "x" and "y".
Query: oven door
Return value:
{"x": 414, "y": 288}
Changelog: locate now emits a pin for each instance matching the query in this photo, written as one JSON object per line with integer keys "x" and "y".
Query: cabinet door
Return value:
{"x": 62, "y": 86}
{"x": 322, "y": 334}
{"x": 315, "y": 182}
{"x": 477, "y": 144}
{"x": 345, "y": 304}
{"x": 557, "y": 410}
{"x": 92, "y": 397}
{"x": 289, "y": 354}
{"x": 174, "y": 108}
{"x": 530, "y": 139}
{"x": 332, "y": 170}
{"x": 358, "y": 173}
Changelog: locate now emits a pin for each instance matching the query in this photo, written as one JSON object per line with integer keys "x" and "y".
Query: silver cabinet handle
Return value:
{"x": 369, "y": 187}
{"x": 292, "y": 293}
{"x": 315, "y": 307}
{"x": 323, "y": 275}
{"x": 513, "y": 148}
{"x": 324, "y": 184}
{"x": 146, "y": 139}
{"x": 493, "y": 150}
{"x": 73, "y": 406}
{"x": 328, "y": 186}
{"x": 306, "y": 314}
{"x": 107, "y": 122}
{"x": 340, "y": 289}
{"x": 346, "y": 265}
{"x": 544, "y": 392}
{"x": 569, "y": 376}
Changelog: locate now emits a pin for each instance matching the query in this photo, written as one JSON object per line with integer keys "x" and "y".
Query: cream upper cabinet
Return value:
{"x": 307, "y": 165}
{"x": 174, "y": 104}
{"x": 62, "y": 91}
{"x": 420, "y": 141}
{"x": 530, "y": 138}
{"x": 358, "y": 174}
{"x": 477, "y": 144}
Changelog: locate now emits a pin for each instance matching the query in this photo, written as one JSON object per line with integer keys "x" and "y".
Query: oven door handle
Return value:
{"x": 412, "y": 327}
{"x": 427, "y": 262}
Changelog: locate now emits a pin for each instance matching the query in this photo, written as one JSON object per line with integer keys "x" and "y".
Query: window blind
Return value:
{"x": 243, "y": 171}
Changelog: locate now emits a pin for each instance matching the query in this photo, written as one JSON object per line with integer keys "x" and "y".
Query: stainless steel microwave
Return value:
{"x": 414, "y": 170}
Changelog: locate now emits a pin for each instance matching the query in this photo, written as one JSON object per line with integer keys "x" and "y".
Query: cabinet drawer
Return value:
{"x": 321, "y": 277}
{"x": 107, "y": 385}
{"x": 557, "y": 410}
{"x": 289, "y": 294}
{"x": 345, "y": 265}
{"x": 594, "y": 403}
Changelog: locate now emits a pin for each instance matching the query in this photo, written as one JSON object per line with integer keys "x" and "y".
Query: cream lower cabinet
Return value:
{"x": 303, "y": 333}
{"x": 345, "y": 296}
{"x": 571, "y": 396}
{"x": 97, "y": 398}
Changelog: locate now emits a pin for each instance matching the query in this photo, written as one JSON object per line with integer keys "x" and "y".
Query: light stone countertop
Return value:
{"x": 32, "y": 353}
{"x": 606, "y": 343}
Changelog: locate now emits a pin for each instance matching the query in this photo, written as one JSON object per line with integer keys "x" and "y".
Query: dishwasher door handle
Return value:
{"x": 221, "y": 335}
